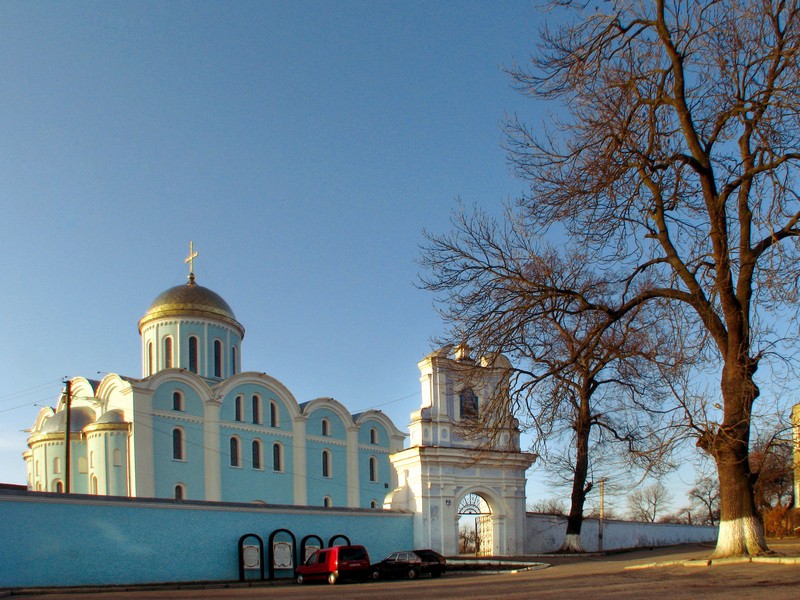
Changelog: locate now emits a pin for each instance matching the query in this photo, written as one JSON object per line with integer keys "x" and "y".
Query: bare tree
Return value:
{"x": 577, "y": 374}
{"x": 550, "y": 506}
{"x": 645, "y": 504}
{"x": 674, "y": 161}
{"x": 705, "y": 496}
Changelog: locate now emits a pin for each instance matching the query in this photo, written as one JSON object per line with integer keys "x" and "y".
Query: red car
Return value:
{"x": 333, "y": 564}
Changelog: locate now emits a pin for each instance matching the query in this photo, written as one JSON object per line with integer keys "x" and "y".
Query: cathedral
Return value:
{"x": 195, "y": 427}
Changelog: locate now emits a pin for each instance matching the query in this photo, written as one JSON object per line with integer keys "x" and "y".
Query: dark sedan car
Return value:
{"x": 410, "y": 564}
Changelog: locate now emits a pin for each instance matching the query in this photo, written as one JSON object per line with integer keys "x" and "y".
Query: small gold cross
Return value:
{"x": 190, "y": 261}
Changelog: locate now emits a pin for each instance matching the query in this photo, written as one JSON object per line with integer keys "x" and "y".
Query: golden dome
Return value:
{"x": 190, "y": 300}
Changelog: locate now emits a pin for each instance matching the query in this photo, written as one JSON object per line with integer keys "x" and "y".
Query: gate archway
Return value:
{"x": 475, "y": 525}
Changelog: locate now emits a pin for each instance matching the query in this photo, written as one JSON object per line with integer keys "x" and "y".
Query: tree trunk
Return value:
{"x": 572, "y": 539}
{"x": 741, "y": 532}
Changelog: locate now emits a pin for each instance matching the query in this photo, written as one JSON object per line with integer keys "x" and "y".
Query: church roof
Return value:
{"x": 190, "y": 300}
{"x": 80, "y": 417}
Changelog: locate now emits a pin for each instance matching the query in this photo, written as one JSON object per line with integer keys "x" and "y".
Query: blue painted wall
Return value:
{"x": 92, "y": 540}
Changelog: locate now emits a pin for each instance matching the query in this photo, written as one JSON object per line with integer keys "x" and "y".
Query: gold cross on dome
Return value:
{"x": 190, "y": 261}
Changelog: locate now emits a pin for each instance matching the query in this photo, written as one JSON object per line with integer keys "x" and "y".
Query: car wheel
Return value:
{"x": 332, "y": 578}
{"x": 300, "y": 579}
{"x": 412, "y": 574}
{"x": 376, "y": 575}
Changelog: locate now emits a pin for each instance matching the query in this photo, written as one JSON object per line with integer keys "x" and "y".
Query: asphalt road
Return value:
{"x": 569, "y": 578}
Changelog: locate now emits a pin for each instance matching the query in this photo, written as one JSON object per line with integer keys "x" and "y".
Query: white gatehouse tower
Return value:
{"x": 446, "y": 467}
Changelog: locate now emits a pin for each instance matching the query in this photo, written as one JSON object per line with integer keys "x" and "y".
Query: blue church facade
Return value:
{"x": 194, "y": 427}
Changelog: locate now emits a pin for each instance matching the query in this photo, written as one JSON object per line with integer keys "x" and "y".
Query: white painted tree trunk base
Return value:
{"x": 572, "y": 543}
{"x": 741, "y": 537}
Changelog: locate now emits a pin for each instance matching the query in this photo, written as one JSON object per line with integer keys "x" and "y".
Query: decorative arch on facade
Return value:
{"x": 280, "y": 391}
{"x": 396, "y": 437}
{"x": 332, "y": 405}
{"x": 116, "y": 393}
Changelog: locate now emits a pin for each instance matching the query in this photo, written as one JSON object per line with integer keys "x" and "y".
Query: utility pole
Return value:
{"x": 602, "y": 514}
{"x": 66, "y": 438}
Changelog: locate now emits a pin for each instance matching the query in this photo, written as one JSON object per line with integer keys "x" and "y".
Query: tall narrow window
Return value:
{"x": 326, "y": 427}
{"x": 256, "y": 409}
{"x": 235, "y": 452}
{"x": 94, "y": 485}
{"x": 217, "y": 358}
{"x": 150, "y": 358}
{"x": 177, "y": 444}
{"x": 373, "y": 436}
{"x": 60, "y": 486}
{"x": 327, "y": 502}
{"x": 179, "y": 492}
{"x": 233, "y": 360}
{"x": 57, "y": 465}
{"x": 277, "y": 457}
{"x": 469, "y": 404}
{"x": 256, "y": 454}
{"x": 326, "y": 463}
{"x": 117, "y": 457}
{"x": 193, "y": 354}
{"x": 238, "y": 409}
{"x": 273, "y": 414}
{"x": 167, "y": 352}
{"x": 177, "y": 401}
{"x": 373, "y": 469}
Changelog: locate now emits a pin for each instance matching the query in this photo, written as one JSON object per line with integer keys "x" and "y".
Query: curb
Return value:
{"x": 708, "y": 562}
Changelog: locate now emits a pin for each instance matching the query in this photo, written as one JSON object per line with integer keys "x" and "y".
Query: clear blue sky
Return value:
{"x": 302, "y": 146}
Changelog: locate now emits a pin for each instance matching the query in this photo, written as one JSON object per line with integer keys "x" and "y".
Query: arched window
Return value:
{"x": 180, "y": 492}
{"x": 117, "y": 457}
{"x": 193, "y": 354}
{"x": 233, "y": 360}
{"x": 235, "y": 452}
{"x": 326, "y": 427}
{"x": 59, "y": 486}
{"x": 238, "y": 408}
{"x": 91, "y": 459}
{"x": 273, "y": 414}
{"x": 326, "y": 463}
{"x": 217, "y": 358}
{"x": 167, "y": 352}
{"x": 277, "y": 457}
{"x": 373, "y": 469}
{"x": 373, "y": 436}
{"x": 256, "y": 401}
{"x": 469, "y": 404}
{"x": 373, "y": 504}
{"x": 177, "y": 401}
{"x": 57, "y": 465}
{"x": 256, "y": 454}
{"x": 150, "y": 358}
{"x": 327, "y": 502}
{"x": 177, "y": 444}
{"x": 94, "y": 485}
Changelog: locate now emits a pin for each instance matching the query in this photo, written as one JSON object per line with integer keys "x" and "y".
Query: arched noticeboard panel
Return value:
{"x": 336, "y": 537}
{"x": 281, "y": 553}
{"x": 309, "y": 545}
{"x": 251, "y": 553}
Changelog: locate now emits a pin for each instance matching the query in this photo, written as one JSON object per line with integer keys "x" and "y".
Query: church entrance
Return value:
{"x": 475, "y": 526}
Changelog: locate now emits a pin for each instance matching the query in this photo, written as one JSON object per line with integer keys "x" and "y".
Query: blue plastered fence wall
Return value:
{"x": 50, "y": 540}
